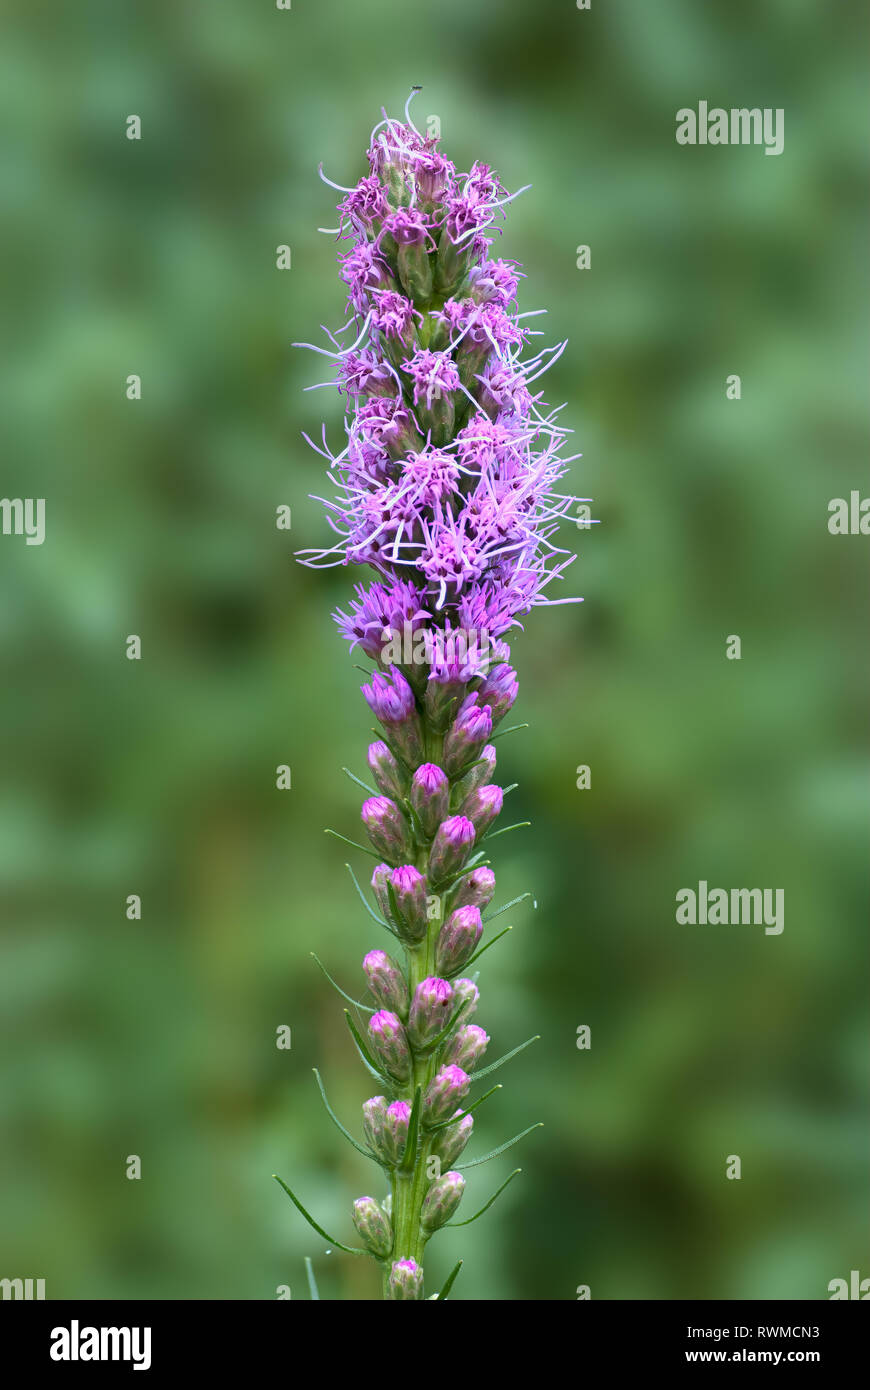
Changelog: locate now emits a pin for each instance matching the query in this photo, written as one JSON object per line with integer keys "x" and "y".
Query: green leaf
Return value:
{"x": 486, "y": 1205}
{"x": 353, "y": 844}
{"x": 365, "y": 786}
{"x": 494, "y": 1153}
{"x": 374, "y": 916}
{"x": 494, "y": 1066}
{"x": 449, "y": 1282}
{"x": 454, "y": 1119}
{"x": 365, "y": 1007}
{"x": 498, "y": 936}
{"x": 350, "y": 1249}
{"x": 512, "y": 730}
{"x": 410, "y": 1154}
{"x": 490, "y": 916}
{"x": 518, "y": 825}
{"x": 366, "y": 1153}
{"x": 367, "y": 1057}
{"x": 312, "y": 1282}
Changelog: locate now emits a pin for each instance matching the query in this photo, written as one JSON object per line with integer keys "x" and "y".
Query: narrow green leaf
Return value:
{"x": 410, "y": 1153}
{"x": 494, "y": 1066}
{"x": 366, "y": 1153}
{"x": 490, "y": 916}
{"x": 367, "y": 1057}
{"x": 518, "y": 825}
{"x": 353, "y": 844}
{"x": 350, "y": 1249}
{"x": 494, "y": 1153}
{"x": 365, "y": 1007}
{"x": 498, "y": 936}
{"x": 374, "y": 916}
{"x": 449, "y": 1282}
{"x": 466, "y": 1111}
{"x": 486, "y": 1205}
{"x": 512, "y": 730}
{"x": 312, "y": 1282}
{"x": 365, "y": 786}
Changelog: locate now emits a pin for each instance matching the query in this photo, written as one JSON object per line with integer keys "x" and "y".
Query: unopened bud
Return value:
{"x": 373, "y": 1226}
{"x": 430, "y": 1012}
{"x": 441, "y": 1201}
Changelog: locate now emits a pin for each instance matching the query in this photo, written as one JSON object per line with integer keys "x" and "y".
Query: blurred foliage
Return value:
{"x": 158, "y": 777}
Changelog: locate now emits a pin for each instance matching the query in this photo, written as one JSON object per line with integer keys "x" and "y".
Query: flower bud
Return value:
{"x": 373, "y": 1226}
{"x": 457, "y": 939}
{"x": 444, "y": 1093}
{"x": 448, "y": 1143}
{"x": 391, "y": 700}
{"x": 476, "y": 889}
{"x": 445, "y": 687}
{"x": 465, "y": 992}
{"x": 451, "y": 847}
{"x": 499, "y": 690}
{"x": 466, "y": 1047}
{"x": 374, "y": 1117}
{"x": 389, "y": 1044}
{"x": 386, "y": 982}
{"x": 430, "y": 1011}
{"x": 466, "y": 737}
{"x": 430, "y": 796}
{"x": 380, "y": 878}
{"x": 482, "y": 807}
{"x": 441, "y": 1201}
{"x": 409, "y": 889}
{"x": 406, "y": 1281}
{"x": 480, "y": 774}
{"x": 386, "y": 827}
{"x": 389, "y": 776}
{"x": 394, "y": 1133}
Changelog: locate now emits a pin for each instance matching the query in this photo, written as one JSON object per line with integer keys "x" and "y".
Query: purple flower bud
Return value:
{"x": 380, "y": 879}
{"x": 451, "y": 847}
{"x": 430, "y": 796}
{"x": 394, "y": 1134}
{"x": 444, "y": 689}
{"x": 389, "y": 776}
{"x": 482, "y": 772}
{"x": 441, "y": 1201}
{"x": 391, "y": 700}
{"x": 406, "y": 1281}
{"x": 457, "y": 939}
{"x": 482, "y": 807}
{"x": 409, "y": 888}
{"x": 449, "y": 1142}
{"x": 499, "y": 690}
{"x": 467, "y": 736}
{"x": 373, "y": 1226}
{"x": 386, "y": 827}
{"x": 476, "y": 889}
{"x": 465, "y": 992}
{"x": 430, "y": 1011}
{"x": 389, "y": 1044}
{"x": 444, "y": 1093}
{"x": 466, "y": 1047}
{"x": 374, "y": 1117}
{"x": 386, "y": 982}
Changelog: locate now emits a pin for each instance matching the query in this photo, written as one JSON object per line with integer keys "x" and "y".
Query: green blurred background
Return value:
{"x": 157, "y": 777}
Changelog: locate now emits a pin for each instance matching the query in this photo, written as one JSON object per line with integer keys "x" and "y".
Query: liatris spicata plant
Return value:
{"x": 446, "y": 487}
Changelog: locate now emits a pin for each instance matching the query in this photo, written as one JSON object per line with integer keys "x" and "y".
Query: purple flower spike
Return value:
{"x": 429, "y": 1013}
{"x": 389, "y": 1044}
{"x": 466, "y": 1047}
{"x": 409, "y": 891}
{"x": 389, "y": 776}
{"x": 406, "y": 1281}
{"x": 373, "y": 1226}
{"x": 386, "y": 828}
{"x": 457, "y": 939}
{"x": 386, "y": 982}
{"x": 476, "y": 889}
{"x": 483, "y": 806}
{"x": 466, "y": 738}
{"x": 430, "y": 796}
{"x": 451, "y": 847}
{"x": 444, "y": 1093}
{"x": 441, "y": 1201}
{"x": 448, "y": 1143}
